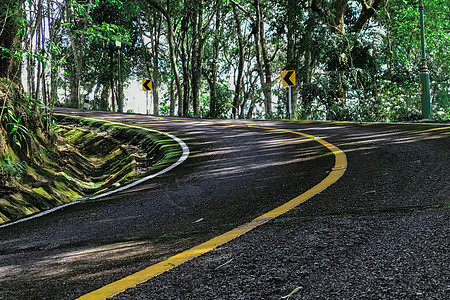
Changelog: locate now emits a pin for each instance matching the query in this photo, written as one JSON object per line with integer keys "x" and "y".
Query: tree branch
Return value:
{"x": 246, "y": 13}
{"x": 367, "y": 12}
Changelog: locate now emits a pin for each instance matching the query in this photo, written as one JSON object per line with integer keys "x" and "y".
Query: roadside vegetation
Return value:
{"x": 354, "y": 59}
{"x": 76, "y": 159}
{"x": 44, "y": 164}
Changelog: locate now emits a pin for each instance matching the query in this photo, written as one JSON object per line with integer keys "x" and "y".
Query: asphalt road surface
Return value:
{"x": 379, "y": 232}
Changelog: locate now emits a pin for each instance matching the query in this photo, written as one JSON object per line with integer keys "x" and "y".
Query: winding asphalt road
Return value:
{"x": 380, "y": 232}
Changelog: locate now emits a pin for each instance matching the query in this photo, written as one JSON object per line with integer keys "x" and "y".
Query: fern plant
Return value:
{"x": 18, "y": 131}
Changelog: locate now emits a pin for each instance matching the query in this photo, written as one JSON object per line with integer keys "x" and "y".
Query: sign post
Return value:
{"x": 146, "y": 103}
{"x": 290, "y": 103}
{"x": 120, "y": 87}
{"x": 288, "y": 79}
{"x": 147, "y": 85}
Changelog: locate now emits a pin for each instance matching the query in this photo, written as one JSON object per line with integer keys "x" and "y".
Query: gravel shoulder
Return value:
{"x": 387, "y": 256}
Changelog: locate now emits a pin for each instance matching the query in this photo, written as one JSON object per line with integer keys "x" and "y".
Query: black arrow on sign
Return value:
{"x": 146, "y": 85}
{"x": 287, "y": 78}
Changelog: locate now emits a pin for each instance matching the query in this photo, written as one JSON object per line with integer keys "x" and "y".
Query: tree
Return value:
{"x": 240, "y": 69}
{"x": 262, "y": 57}
{"x": 10, "y": 17}
{"x": 354, "y": 59}
{"x": 171, "y": 42}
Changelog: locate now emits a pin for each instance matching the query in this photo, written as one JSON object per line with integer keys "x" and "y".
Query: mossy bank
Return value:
{"x": 90, "y": 157}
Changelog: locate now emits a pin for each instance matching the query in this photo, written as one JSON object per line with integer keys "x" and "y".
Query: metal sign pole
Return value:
{"x": 151, "y": 103}
{"x": 290, "y": 103}
{"x": 146, "y": 103}
{"x": 120, "y": 87}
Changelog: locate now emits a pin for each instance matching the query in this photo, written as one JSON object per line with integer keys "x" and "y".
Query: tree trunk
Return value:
{"x": 170, "y": 39}
{"x": 38, "y": 50}
{"x": 238, "y": 83}
{"x": 9, "y": 39}
{"x": 247, "y": 94}
{"x": 155, "y": 49}
{"x": 306, "y": 74}
{"x": 104, "y": 105}
{"x": 263, "y": 63}
{"x": 184, "y": 102}
{"x": 337, "y": 25}
{"x": 369, "y": 8}
{"x": 213, "y": 105}
{"x": 197, "y": 56}
{"x": 144, "y": 48}
{"x": 292, "y": 61}
{"x": 53, "y": 97}
{"x": 75, "y": 76}
{"x": 172, "y": 98}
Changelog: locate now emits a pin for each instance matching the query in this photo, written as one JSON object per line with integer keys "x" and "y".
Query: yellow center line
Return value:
{"x": 152, "y": 271}
{"x": 437, "y": 129}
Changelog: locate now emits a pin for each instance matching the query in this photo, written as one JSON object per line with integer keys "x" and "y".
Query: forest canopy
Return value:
{"x": 356, "y": 60}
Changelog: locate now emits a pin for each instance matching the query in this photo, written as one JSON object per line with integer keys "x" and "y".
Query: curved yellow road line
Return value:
{"x": 152, "y": 271}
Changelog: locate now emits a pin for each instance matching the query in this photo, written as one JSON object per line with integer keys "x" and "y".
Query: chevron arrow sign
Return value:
{"x": 146, "y": 84}
{"x": 288, "y": 77}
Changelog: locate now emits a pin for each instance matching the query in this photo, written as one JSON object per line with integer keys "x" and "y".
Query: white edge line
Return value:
{"x": 182, "y": 158}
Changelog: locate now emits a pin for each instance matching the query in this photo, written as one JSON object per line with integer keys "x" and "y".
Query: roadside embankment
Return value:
{"x": 90, "y": 157}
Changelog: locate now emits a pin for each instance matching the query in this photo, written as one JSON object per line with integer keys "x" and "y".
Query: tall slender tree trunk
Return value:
{"x": 155, "y": 54}
{"x": 263, "y": 62}
{"x": 292, "y": 61}
{"x": 172, "y": 98}
{"x": 105, "y": 95}
{"x": 9, "y": 39}
{"x": 306, "y": 74}
{"x": 31, "y": 62}
{"x": 197, "y": 56}
{"x": 213, "y": 100}
{"x": 38, "y": 50}
{"x": 45, "y": 95}
{"x": 184, "y": 102}
{"x": 53, "y": 65}
{"x": 111, "y": 78}
{"x": 75, "y": 76}
{"x": 238, "y": 83}
{"x": 247, "y": 95}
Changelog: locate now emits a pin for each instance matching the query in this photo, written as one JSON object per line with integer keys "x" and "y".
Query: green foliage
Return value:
{"x": 223, "y": 104}
{"x": 373, "y": 75}
{"x": 10, "y": 170}
{"x": 16, "y": 129}
{"x": 368, "y": 75}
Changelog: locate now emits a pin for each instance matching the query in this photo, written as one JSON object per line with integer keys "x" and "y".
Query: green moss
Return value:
{"x": 61, "y": 191}
{"x": 20, "y": 203}
{"x": 3, "y": 218}
{"x": 42, "y": 192}
{"x": 11, "y": 212}
{"x": 50, "y": 171}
